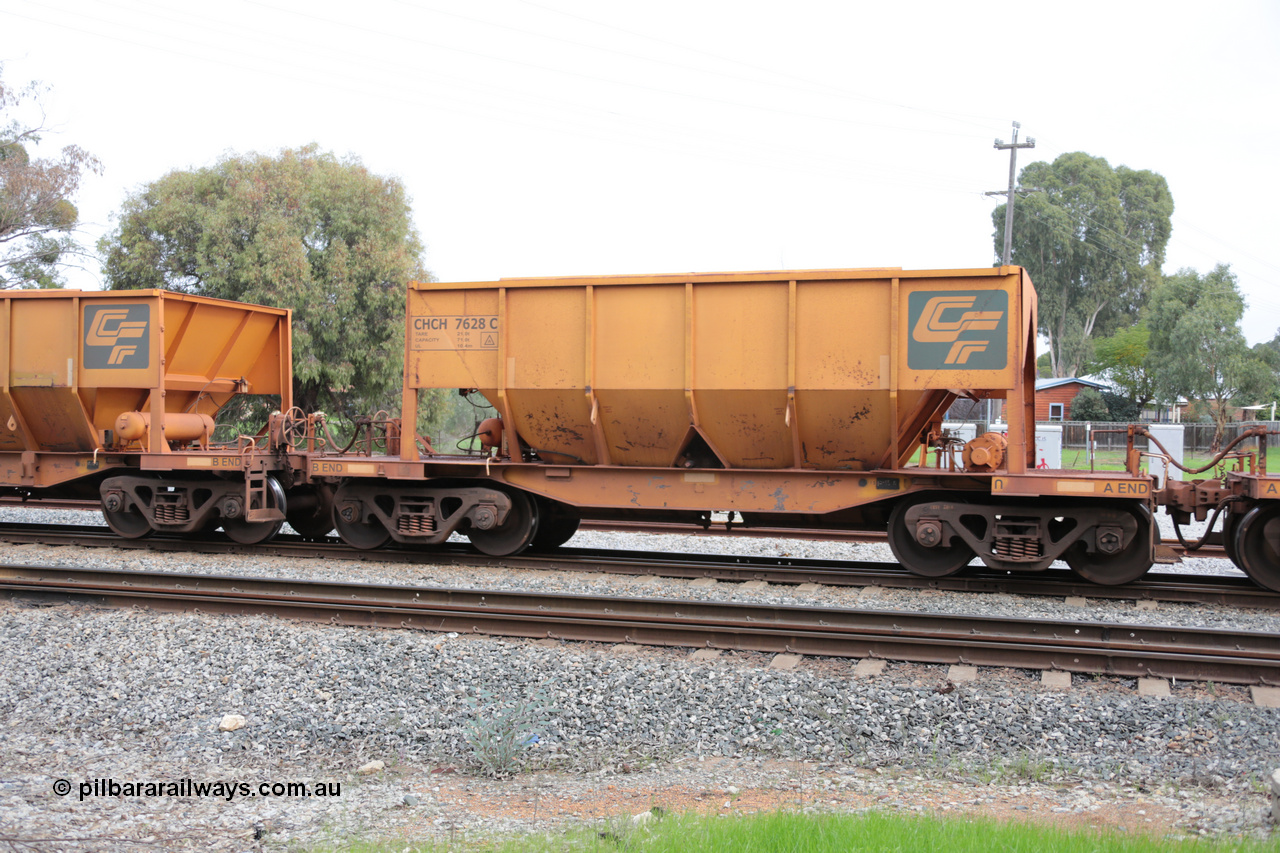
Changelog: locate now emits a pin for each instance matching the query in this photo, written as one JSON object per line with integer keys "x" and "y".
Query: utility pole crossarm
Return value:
{"x": 1011, "y": 193}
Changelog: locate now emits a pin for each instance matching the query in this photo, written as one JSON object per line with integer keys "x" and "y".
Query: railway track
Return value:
{"x": 1084, "y": 646}
{"x": 1235, "y": 591}
{"x": 1169, "y": 550}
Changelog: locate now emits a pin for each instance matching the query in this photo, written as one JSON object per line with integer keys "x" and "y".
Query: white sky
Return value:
{"x": 566, "y": 137}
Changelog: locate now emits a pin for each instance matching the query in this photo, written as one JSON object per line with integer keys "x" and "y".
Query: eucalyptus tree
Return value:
{"x": 1093, "y": 239}
{"x": 302, "y": 229}
{"x": 38, "y": 218}
{"x": 1197, "y": 350}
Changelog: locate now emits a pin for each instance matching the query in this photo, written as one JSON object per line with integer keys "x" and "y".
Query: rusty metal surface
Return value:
{"x": 1193, "y": 654}
{"x": 1193, "y": 589}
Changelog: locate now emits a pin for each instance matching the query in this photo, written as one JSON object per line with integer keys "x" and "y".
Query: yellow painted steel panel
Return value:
{"x": 120, "y": 343}
{"x": 55, "y": 419}
{"x": 747, "y": 429}
{"x": 743, "y": 491}
{"x": 739, "y": 336}
{"x": 555, "y": 423}
{"x": 639, "y": 383}
{"x": 546, "y": 336}
{"x": 42, "y": 351}
{"x": 11, "y": 436}
{"x": 640, "y": 333}
{"x": 643, "y": 427}
{"x": 849, "y": 312}
{"x": 75, "y": 360}
{"x": 826, "y": 369}
{"x": 434, "y": 357}
{"x": 843, "y": 429}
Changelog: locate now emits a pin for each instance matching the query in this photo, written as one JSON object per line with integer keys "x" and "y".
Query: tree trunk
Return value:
{"x": 1219, "y": 425}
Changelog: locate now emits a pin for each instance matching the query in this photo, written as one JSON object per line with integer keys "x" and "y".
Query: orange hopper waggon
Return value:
{"x": 803, "y": 399}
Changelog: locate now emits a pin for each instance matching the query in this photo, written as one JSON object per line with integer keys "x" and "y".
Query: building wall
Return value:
{"x": 1063, "y": 394}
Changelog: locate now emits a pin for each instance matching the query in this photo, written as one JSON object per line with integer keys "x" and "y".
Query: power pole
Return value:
{"x": 1010, "y": 193}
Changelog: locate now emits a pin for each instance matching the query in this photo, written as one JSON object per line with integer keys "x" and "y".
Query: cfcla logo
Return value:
{"x": 112, "y": 336}
{"x": 965, "y": 330}
{"x": 109, "y": 327}
{"x": 931, "y": 328}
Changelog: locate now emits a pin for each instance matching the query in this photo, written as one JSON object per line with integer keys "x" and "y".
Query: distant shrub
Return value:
{"x": 1121, "y": 407}
{"x": 1088, "y": 405}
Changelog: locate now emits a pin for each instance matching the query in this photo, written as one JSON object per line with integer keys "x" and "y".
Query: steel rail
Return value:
{"x": 1169, "y": 549}
{"x": 1179, "y": 588}
{"x": 1089, "y": 647}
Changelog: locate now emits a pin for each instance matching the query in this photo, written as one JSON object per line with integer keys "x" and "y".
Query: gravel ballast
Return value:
{"x": 89, "y": 694}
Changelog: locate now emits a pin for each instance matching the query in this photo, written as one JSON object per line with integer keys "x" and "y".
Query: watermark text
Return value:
{"x": 226, "y": 790}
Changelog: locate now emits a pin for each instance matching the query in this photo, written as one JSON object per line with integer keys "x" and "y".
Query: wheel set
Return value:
{"x": 1253, "y": 542}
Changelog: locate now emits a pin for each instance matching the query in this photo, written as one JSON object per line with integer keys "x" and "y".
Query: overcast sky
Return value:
{"x": 566, "y": 137}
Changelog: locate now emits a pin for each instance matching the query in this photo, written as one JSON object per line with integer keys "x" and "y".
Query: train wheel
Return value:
{"x": 257, "y": 532}
{"x": 1125, "y": 566}
{"x": 312, "y": 518}
{"x": 921, "y": 560}
{"x": 128, "y": 523}
{"x": 516, "y": 533}
{"x": 349, "y": 513}
{"x": 556, "y": 526}
{"x": 365, "y": 535}
{"x": 1230, "y": 523}
{"x": 1257, "y": 545}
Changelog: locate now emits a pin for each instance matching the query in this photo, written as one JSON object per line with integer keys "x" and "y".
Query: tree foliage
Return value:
{"x": 1198, "y": 346}
{"x": 1121, "y": 408}
{"x": 1088, "y": 405}
{"x": 1269, "y": 352}
{"x": 302, "y": 230}
{"x": 1093, "y": 239}
{"x": 1044, "y": 366}
{"x": 1122, "y": 360}
{"x": 37, "y": 215}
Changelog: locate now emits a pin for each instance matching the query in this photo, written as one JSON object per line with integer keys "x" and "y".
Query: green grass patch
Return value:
{"x": 1077, "y": 458}
{"x": 786, "y": 832}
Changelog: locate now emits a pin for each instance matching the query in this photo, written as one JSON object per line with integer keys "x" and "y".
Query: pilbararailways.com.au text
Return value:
{"x": 228, "y": 791}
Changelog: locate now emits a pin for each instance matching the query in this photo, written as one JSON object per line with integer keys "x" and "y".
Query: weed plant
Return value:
{"x": 504, "y": 728}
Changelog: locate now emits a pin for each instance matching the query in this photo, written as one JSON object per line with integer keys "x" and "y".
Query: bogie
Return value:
{"x": 1109, "y": 543}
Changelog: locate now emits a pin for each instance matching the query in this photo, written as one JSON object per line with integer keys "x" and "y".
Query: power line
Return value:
{"x": 669, "y": 134}
{"x": 957, "y": 117}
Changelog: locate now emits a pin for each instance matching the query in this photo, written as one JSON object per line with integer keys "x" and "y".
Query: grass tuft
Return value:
{"x": 790, "y": 832}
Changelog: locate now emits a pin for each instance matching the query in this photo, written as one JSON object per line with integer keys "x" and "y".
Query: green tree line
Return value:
{"x": 1093, "y": 239}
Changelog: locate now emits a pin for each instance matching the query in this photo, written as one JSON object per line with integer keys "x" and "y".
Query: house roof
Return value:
{"x": 1042, "y": 384}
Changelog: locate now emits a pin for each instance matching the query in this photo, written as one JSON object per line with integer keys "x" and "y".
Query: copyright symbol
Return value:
{"x": 62, "y": 787}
